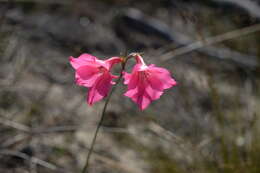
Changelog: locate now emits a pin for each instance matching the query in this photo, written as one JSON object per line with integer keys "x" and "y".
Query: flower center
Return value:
{"x": 102, "y": 69}
{"x": 144, "y": 75}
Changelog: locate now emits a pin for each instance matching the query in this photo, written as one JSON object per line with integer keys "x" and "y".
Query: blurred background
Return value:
{"x": 209, "y": 123}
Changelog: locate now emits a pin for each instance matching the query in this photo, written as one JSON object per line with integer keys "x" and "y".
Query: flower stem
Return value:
{"x": 84, "y": 170}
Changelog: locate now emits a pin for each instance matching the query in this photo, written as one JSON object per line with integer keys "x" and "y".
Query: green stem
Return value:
{"x": 84, "y": 170}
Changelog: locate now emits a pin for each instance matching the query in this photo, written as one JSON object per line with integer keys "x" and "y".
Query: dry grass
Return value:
{"x": 208, "y": 123}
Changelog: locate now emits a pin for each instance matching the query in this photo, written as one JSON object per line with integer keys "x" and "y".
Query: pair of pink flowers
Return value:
{"x": 145, "y": 83}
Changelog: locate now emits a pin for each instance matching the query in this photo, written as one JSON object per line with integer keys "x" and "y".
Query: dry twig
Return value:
{"x": 250, "y": 6}
{"x": 34, "y": 160}
{"x": 213, "y": 40}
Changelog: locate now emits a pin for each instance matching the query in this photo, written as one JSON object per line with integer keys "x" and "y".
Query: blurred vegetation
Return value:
{"x": 209, "y": 123}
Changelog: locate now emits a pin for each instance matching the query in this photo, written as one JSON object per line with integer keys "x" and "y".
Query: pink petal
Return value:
{"x": 131, "y": 93}
{"x": 87, "y": 83}
{"x": 159, "y": 69}
{"x": 134, "y": 81}
{"x": 86, "y": 72}
{"x": 126, "y": 77}
{"x": 153, "y": 94}
{"x": 111, "y": 61}
{"x": 160, "y": 78}
{"x": 87, "y": 75}
{"x": 139, "y": 67}
{"x": 93, "y": 96}
{"x": 168, "y": 81}
{"x": 155, "y": 82}
{"x": 83, "y": 59}
{"x": 105, "y": 84}
{"x": 114, "y": 76}
{"x": 100, "y": 89}
{"x": 138, "y": 91}
{"x": 139, "y": 96}
{"x": 142, "y": 100}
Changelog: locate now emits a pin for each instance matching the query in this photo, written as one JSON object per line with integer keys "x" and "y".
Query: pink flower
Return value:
{"x": 95, "y": 75}
{"x": 146, "y": 83}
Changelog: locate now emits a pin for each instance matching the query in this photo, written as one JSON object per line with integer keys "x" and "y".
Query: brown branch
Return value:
{"x": 34, "y": 160}
{"x": 213, "y": 40}
{"x": 15, "y": 125}
{"x": 250, "y": 6}
{"x": 55, "y": 129}
{"x": 117, "y": 165}
{"x": 39, "y": 1}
